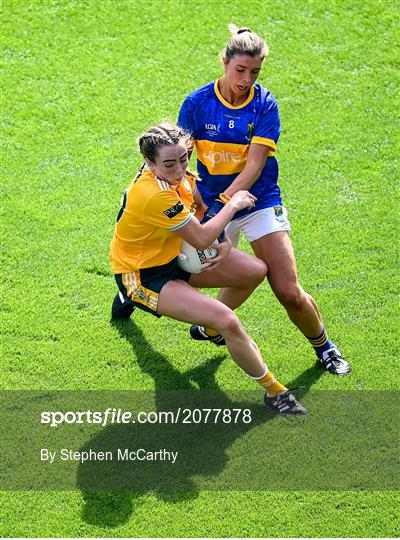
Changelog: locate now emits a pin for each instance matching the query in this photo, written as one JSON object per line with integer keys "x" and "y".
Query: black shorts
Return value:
{"x": 142, "y": 287}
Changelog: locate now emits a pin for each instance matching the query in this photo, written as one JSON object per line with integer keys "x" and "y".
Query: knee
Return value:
{"x": 291, "y": 296}
{"x": 230, "y": 323}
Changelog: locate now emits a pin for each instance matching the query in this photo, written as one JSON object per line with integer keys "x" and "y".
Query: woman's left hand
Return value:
{"x": 223, "y": 249}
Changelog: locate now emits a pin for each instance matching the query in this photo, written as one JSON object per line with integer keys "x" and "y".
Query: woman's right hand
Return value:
{"x": 242, "y": 199}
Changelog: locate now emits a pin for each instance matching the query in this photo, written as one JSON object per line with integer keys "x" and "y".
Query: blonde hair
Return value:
{"x": 244, "y": 41}
{"x": 160, "y": 135}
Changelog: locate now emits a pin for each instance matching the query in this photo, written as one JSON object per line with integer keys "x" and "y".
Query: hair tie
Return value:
{"x": 241, "y": 30}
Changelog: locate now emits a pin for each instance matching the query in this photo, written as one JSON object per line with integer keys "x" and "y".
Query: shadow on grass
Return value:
{"x": 109, "y": 499}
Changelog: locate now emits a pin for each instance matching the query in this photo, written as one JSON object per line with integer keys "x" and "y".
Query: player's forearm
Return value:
{"x": 200, "y": 236}
{"x": 213, "y": 228}
{"x": 244, "y": 180}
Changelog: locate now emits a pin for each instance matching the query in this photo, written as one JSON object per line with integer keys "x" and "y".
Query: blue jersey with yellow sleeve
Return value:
{"x": 222, "y": 134}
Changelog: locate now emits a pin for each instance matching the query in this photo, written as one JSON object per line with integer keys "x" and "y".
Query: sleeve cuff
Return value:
{"x": 181, "y": 224}
{"x": 266, "y": 142}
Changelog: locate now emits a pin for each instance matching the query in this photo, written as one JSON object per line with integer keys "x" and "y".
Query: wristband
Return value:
{"x": 223, "y": 198}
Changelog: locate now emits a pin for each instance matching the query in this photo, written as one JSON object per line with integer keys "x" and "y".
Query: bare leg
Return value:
{"x": 180, "y": 301}
{"x": 277, "y": 252}
{"x": 238, "y": 275}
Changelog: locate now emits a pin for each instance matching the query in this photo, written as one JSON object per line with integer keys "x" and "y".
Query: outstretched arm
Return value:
{"x": 200, "y": 236}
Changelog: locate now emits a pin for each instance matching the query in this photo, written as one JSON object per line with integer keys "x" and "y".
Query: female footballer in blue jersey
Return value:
{"x": 235, "y": 126}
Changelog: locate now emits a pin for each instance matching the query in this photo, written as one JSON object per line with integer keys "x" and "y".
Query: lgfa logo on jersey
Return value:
{"x": 212, "y": 129}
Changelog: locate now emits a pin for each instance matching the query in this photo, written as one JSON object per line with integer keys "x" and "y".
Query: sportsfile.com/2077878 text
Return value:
{"x": 118, "y": 416}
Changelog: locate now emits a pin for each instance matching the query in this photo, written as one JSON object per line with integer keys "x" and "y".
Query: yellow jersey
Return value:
{"x": 151, "y": 211}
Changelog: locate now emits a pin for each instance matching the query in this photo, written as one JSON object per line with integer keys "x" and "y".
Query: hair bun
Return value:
{"x": 251, "y": 45}
{"x": 244, "y": 29}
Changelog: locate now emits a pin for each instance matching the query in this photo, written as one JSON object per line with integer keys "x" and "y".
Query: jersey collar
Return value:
{"x": 229, "y": 105}
{"x": 167, "y": 184}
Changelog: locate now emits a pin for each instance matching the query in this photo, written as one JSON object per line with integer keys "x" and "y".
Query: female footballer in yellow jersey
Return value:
{"x": 156, "y": 214}
{"x": 235, "y": 126}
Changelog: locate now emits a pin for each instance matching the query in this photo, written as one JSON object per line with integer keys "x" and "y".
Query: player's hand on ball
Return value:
{"x": 194, "y": 260}
{"x": 223, "y": 249}
{"x": 242, "y": 199}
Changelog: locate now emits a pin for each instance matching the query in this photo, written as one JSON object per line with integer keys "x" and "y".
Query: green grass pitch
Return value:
{"x": 81, "y": 79}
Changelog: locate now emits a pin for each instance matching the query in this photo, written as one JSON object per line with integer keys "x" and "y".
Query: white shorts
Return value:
{"x": 258, "y": 224}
